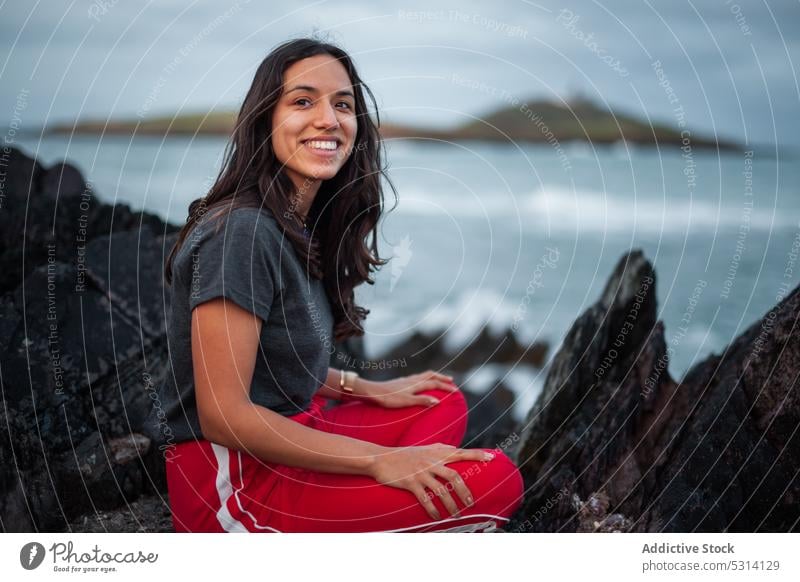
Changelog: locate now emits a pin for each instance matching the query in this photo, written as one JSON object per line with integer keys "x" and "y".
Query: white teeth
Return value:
{"x": 322, "y": 145}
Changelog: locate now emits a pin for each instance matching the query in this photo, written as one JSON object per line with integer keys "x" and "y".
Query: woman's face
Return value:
{"x": 314, "y": 123}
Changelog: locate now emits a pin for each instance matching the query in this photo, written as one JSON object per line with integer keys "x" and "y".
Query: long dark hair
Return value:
{"x": 347, "y": 207}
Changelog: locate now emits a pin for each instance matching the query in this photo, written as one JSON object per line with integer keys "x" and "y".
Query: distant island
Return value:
{"x": 534, "y": 122}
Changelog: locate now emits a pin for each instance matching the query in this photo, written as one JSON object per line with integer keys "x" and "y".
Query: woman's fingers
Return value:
{"x": 427, "y": 399}
{"x": 442, "y": 492}
{"x": 425, "y": 500}
{"x": 431, "y": 375}
{"x": 445, "y": 378}
{"x": 457, "y": 484}
{"x": 440, "y": 481}
{"x": 434, "y": 384}
{"x": 445, "y": 385}
{"x": 471, "y": 455}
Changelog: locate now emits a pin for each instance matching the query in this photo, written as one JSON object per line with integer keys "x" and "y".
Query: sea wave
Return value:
{"x": 559, "y": 209}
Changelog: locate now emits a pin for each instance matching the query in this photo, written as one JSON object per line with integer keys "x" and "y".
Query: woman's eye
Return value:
{"x": 304, "y": 100}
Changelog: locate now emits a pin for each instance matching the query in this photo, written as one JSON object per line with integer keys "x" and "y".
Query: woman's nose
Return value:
{"x": 326, "y": 116}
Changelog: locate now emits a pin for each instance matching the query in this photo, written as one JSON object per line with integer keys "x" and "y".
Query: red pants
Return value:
{"x": 216, "y": 489}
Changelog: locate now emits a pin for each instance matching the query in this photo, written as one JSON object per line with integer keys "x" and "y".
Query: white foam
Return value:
{"x": 467, "y": 315}
{"x": 526, "y": 382}
{"x": 460, "y": 320}
{"x": 561, "y": 209}
{"x": 480, "y": 380}
{"x": 523, "y": 380}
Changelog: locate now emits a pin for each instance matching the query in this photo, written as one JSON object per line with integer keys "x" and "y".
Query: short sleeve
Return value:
{"x": 234, "y": 259}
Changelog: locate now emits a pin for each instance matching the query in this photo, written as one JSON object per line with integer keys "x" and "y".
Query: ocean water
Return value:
{"x": 526, "y": 237}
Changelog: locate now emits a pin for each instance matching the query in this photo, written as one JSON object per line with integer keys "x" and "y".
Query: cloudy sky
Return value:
{"x": 731, "y": 66}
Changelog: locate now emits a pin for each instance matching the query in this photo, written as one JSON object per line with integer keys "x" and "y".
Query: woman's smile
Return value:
{"x": 325, "y": 148}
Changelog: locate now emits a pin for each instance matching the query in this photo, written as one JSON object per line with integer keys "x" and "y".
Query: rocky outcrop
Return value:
{"x": 424, "y": 351}
{"x": 148, "y": 514}
{"x": 82, "y": 332}
{"x": 491, "y": 421}
{"x": 615, "y": 444}
{"x": 51, "y": 214}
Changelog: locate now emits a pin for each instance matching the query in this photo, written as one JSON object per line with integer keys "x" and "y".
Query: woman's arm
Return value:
{"x": 224, "y": 349}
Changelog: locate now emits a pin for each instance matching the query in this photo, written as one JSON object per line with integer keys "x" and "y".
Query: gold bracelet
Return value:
{"x": 347, "y": 381}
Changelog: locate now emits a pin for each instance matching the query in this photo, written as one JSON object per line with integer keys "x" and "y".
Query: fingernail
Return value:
{"x": 433, "y": 401}
{"x": 488, "y": 456}
{"x": 470, "y": 501}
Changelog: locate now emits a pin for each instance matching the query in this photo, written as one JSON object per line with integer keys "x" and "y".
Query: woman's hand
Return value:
{"x": 402, "y": 391}
{"x": 416, "y": 469}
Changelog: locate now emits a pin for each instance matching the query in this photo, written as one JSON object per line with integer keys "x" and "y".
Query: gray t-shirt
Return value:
{"x": 248, "y": 261}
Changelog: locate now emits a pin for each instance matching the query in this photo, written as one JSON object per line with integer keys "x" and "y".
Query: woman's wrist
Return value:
{"x": 347, "y": 383}
{"x": 364, "y": 389}
{"x": 332, "y": 387}
{"x": 370, "y": 462}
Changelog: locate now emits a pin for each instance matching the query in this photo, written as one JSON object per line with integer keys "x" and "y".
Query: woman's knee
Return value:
{"x": 453, "y": 400}
{"x": 451, "y": 412}
{"x": 496, "y": 485}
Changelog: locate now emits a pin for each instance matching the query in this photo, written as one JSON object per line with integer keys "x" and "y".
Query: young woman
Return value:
{"x": 261, "y": 282}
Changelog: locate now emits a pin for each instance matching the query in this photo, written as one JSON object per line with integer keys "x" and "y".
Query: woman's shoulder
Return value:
{"x": 220, "y": 228}
{"x": 256, "y": 221}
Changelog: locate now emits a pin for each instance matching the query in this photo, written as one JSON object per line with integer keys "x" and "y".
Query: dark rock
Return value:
{"x": 593, "y": 515}
{"x": 62, "y": 181}
{"x": 148, "y": 514}
{"x": 503, "y": 349}
{"x": 718, "y": 451}
{"x": 424, "y": 351}
{"x": 129, "y": 448}
{"x": 83, "y": 348}
{"x": 491, "y": 421}
{"x": 106, "y": 480}
{"x": 52, "y": 214}
{"x": 125, "y": 267}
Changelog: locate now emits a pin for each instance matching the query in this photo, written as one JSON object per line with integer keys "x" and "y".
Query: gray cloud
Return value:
{"x": 110, "y": 66}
